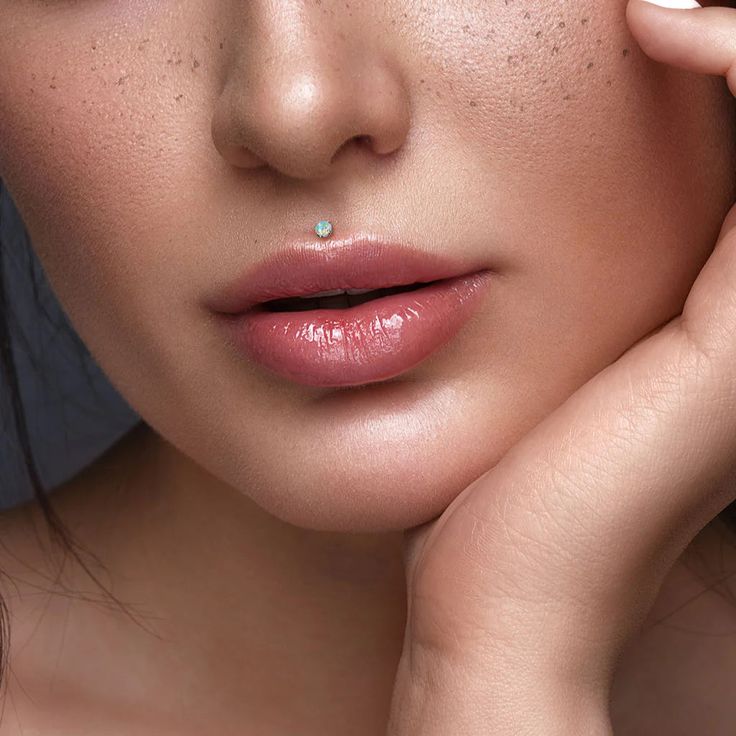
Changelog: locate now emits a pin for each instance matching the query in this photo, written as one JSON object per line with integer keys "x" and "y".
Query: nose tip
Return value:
{"x": 301, "y": 124}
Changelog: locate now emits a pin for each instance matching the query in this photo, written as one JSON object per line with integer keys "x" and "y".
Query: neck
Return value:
{"x": 250, "y": 612}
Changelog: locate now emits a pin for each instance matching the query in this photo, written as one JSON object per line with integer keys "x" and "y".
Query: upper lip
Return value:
{"x": 356, "y": 262}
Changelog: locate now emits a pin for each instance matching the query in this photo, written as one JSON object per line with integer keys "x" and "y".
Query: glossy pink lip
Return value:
{"x": 372, "y": 341}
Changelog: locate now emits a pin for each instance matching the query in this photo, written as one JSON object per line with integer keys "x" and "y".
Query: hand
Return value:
{"x": 523, "y": 594}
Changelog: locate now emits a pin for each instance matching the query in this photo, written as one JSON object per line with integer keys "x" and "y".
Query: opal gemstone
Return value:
{"x": 323, "y": 228}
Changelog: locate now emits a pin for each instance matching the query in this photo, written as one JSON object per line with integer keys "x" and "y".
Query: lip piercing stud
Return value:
{"x": 323, "y": 228}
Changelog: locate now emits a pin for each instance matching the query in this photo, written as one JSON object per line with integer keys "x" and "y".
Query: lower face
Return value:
{"x": 542, "y": 144}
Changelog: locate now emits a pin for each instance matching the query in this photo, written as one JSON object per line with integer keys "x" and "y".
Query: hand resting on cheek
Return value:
{"x": 523, "y": 593}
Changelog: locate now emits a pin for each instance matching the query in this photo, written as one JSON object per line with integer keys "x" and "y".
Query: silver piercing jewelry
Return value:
{"x": 323, "y": 228}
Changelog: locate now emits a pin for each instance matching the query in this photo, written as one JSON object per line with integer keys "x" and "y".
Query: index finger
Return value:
{"x": 700, "y": 39}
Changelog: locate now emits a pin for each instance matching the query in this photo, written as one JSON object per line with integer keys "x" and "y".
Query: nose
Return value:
{"x": 303, "y": 93}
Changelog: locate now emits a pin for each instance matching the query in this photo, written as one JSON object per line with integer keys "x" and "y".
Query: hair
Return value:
{"x": 58, "y": 532}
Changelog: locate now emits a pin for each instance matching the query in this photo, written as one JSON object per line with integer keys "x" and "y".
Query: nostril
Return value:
{"x": 358, "y": 141}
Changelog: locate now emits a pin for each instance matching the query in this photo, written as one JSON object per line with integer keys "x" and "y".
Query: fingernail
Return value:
{"x": 678, "y": 4}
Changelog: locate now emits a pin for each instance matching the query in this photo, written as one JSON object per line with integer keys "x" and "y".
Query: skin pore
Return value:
{"x": 156, "y": 151}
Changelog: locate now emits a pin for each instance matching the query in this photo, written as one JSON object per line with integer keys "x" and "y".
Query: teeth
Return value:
{"x": 336, "y": 292}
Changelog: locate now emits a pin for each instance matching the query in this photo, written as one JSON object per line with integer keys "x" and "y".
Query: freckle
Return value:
{"x": 590, "y": 65}
{"x": 52, "y": 86}
{"x": 178, "y": 97}
{"x": 598, "y": 41}
{"x": 220, "y": 44}
{"x": 94, "y": 48}
{"x": 625, "y": 52}
{"x": 421, "y": 81}
{"x": 584, "y": 20}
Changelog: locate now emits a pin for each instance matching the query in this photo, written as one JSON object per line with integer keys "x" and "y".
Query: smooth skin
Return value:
{"x": 524, "y": 593}
{"x": 256, "y": 528}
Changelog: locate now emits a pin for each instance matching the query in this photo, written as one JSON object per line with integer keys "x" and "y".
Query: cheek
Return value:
{"x": 614, "y": 168}
{"x": 559, "y": 99}
{"x": 101, "y": 120}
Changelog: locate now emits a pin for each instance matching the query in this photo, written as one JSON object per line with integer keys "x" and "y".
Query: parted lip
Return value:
{"x": 357, "y": 262}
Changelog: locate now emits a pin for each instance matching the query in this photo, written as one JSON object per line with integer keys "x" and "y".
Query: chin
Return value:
{"x": 359, "y": 499}
{"x": 378, "y": 472}
{"x": 379, "y": 459}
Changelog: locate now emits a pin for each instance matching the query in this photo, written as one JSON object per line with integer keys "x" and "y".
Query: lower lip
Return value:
{"x": 373, "y": 341}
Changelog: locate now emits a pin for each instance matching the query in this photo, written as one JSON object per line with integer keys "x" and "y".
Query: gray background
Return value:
{"x": 72, "y": 411}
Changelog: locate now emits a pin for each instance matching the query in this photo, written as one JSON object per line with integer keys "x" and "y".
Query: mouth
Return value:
{"x": 348, "y": 312}
{"x": 337, "y": 298}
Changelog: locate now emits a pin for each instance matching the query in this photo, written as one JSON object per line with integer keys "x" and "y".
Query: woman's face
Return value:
{"x": 157, "y": 150}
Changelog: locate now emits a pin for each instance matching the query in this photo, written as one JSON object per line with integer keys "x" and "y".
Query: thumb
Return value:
{"x": 686, "y": 35}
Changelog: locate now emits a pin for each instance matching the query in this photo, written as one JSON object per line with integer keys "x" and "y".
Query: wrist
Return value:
{"x": 439, "y": 700}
